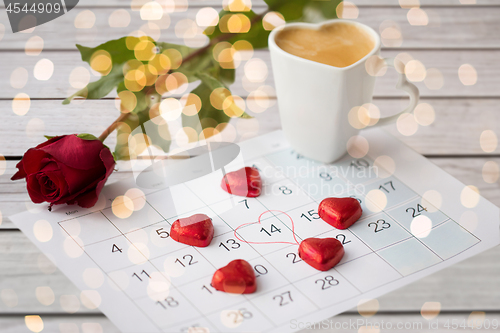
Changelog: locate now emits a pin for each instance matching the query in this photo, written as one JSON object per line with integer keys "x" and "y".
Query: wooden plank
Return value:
{"x": 457, "y": 128}
{"x": 352, "y": 323}
{"x": 448, "y": 27}
{"x": 447, "y": 62}
{"x": 14, "y": 199}
{"x": 456, "y": 287}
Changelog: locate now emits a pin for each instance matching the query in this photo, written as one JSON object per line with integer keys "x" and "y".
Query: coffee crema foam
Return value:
{"x": 337, "y": 44}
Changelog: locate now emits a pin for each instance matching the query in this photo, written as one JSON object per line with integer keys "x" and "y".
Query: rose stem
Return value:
{"x": 189, "y": 57}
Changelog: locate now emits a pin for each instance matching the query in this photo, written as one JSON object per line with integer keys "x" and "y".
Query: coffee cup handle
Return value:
{"x": 405, "y": 85}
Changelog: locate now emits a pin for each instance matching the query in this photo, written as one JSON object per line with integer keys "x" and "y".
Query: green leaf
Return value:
{"x": 48, "y": 137}
{"x": 211, "y": 82}
{"x": 292, "y": 10}
{"x": 319, "y": 10}
{"x": 141, "y": 97}
{"x": 100, "y": 88}
{"x": 87, "y": 136}
{"x": 208, "y": 115}
{"x": 184, "y": 50}
{"x": 257, "y": 35}
{"x": 117, "y": 48}
{"x": 246, "y": 116}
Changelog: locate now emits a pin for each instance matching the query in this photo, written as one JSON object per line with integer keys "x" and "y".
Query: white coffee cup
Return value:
{"x": 315, "y": 99}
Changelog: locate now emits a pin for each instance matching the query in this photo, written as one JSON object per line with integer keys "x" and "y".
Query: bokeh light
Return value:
{"x": 237, "y": 5}
{"x": 417, "y": 16}
{"x": 406, "y": 124}
{"x": 34, "y": 323}
{"x": 368, "y": 307}
{"x": 376, "y": 200}
{"x": 93, "y": 277}
{"x": 3, "y": 166}
{"x": 491, "y": 172}
{"x": 79, "y": 77}
{"x": 73, "y": 247}
{"x": 43, "y": 70}
{"x": 409, "y": 4}
{"x": 476, "y": 318}
{"x": 430, "y": 310}
{"x": 85, "y": 19}
{"x": 151, "y": 11}
{"x": 357, "y": 146}
{"x": 415, "y": 71}
{"x": 432, "y": 200}
{"x": 347, "y": 10}
{"x": 421, "y": 226}
{"x": 273, "y": 20}
{"x": 390, "y": 33}
{"x": 375, "y": 66}
{"x": 70, "y": 303}
{"x": 35, "y": 128}
{"x": 207, "y": 17}
{"x": 119, "y": 18}
{"x": 34, "y": 46}
{"x": 122, "y": 207}
{"x": 45, "y": 295}
{"x": 191, "y": 104}
{"x": 469, "y": 197}
{"x": 256, "y": 70}
{"x": 469, "y": 220}
{"x": 91, "y": 299}
{"x": 19, "y": 78}
{"x": 488, "y": 141}
{"x": 424, "y": 114}
{"x": 43, "y": 231}
{"x": 467, "y": 75}
{"x": 101, "y": 62}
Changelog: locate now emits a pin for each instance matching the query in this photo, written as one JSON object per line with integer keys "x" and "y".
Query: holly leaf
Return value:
{"x": 100, "y": 88}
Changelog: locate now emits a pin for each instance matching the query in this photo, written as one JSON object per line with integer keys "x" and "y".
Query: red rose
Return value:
{"x": 66, "y": 169}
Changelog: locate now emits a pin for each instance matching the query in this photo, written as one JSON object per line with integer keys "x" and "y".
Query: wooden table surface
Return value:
{"x": 462, "y": 139}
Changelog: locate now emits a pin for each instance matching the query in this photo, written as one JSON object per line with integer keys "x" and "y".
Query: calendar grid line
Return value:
{"x": 160, "y": 271}
{"x": 365, "y": 247}
{"x": 83, "y": 249}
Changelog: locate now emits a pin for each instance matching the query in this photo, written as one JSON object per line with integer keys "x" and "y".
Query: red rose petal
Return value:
{"x": 245, "y": 182}
{"x": 341, "y": 213}
{"x": 196, "y": 230}
{"x": 237, "y": 277}
{"x": 321, "y": 253}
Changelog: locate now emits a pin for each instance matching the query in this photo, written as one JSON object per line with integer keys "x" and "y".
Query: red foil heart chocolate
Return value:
{"x": 245, "y": 182}
{"x": 341, "y": 213}
{"x": 196, "y": 230}
{"x": 237, "y": 277}
{"x": 321, "y": 253}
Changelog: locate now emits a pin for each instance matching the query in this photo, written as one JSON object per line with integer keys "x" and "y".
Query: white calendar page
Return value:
{"x": 143, "y": 281}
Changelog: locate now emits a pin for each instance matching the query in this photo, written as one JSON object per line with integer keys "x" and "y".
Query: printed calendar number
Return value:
{"x": 237, "y": 316}
{"x": 343, "y": 239}
{"x": 325, "y": 176}
{"x": 168, "y": 302}
{"x": 273, "y": 230}
{"x": 209, "y": 290}
{"x": 416, "y": 211}
{"x": 162, "y": 233}
{"x": 359, "y": 200}
{"x": 115, "y": 248}
{"x": 245, "y": 201}
{"x": 359, "y": 164}
{"x": 284, "y": 298}
{"x": 143, "y": 274}
{"x": 187, "y": 260}
{"x": 327, "y": 282}
{"x": 285, "y": 190}
{"x": 311, "y": 215}
{"x": 380, "y": 225}
{"x": 294, "y": 258}
{"x": 260, "y": 269}
{"x": 231, "y": 244}
{"x": 195, "y": 328}
{"x": 387, "y": 187}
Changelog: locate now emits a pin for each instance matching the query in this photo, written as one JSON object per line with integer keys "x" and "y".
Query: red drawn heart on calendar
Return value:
{"x": 259, "y": 222}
